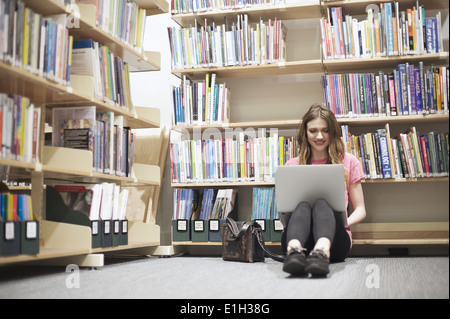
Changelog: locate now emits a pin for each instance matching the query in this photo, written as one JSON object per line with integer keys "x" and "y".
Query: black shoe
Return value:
{"x": 317, "y": 264}
{"x": 295, "y": 263}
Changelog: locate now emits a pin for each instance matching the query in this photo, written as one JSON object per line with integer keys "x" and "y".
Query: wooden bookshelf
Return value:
{"x": 272, "y": 183}
{"x": 382, "y": 234}
{"x": 61, "y": 242}
{"x": 311, "y": 66}
{"x": 282, "y": 12}
{"x": 40, "y": 90}
{"x": 281, "y": 68}
{"x": 154, "y": 6}
{"x": 293, "y": 124}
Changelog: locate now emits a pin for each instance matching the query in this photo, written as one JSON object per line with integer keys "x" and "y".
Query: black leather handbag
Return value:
{"x": 243, "y": 241}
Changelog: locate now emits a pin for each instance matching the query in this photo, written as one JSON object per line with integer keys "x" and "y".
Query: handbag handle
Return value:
{"x": 259, "y": 236}
{"x": 238, "y": 233}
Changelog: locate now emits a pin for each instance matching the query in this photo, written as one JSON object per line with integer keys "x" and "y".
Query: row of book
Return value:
{"x": 110, "y": 73}
{"x": 122, "y": 19}
{"x": 219, "y": 45}
{"x": 386, "y": 31}
{"x": 19, "y": 128}
{"x": 230, "y": 160}
{"x": 191, "y": 6}
{"x": 407, "y": 155}
{"x": 102, "y": 133}
{"x": 264, "y": 203}
{"x": 15, "y": 207}
{"x": 203, "y": 204}
{"x": 41, "y": 45}
{"x": 201, "y": 102}
{"x": 105, "y": 201}
{"x": 408, "y": 90}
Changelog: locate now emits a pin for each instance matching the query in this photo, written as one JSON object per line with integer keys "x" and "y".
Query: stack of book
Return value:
{"x": 220, "y": 45}
{"x": 407, "y": 155}
{"x": 19, "y": 229}
{"x": 264, "y": 203}
{"x": 386, "y": 31}
{"x": 122, "y": 19}
{"x": 230, "y": 160}
{"x": 102, "y": 133}
{"x": 409, "y": 90}
{"x": 37, "y": 44}
{"x": 19, "y": 128}
{"x": 201, "y": 102}
{"x": 110, "y": 73}
{"x": 106, "y": 201}
{"x": 203, "y": 204}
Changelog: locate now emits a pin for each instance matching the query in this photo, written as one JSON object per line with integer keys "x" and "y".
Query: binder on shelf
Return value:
{"x": 11, "y": 238}
{"x": 96, "y": 231}
{"x": 123, "y": 232}
{"x": 115, "y": 233}
{"x": 107, "y": 238}
{"x": 29, "y": 241}
{"x": 199, "y": 230}
{"x": 265, "y": 225}
{"x": 181, "y": 230}
{"x": 215, "y": 226}
{"x": 276, "y": 230}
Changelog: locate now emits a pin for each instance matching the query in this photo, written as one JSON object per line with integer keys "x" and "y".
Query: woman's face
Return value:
{"x": 318, "y": 136}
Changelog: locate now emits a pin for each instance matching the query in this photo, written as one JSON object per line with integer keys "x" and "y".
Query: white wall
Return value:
{"x": 153, "y": 88}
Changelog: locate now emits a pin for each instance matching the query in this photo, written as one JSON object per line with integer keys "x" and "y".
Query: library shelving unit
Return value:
{"x": 409, "y": 232}
{"x": 64, "y": 243}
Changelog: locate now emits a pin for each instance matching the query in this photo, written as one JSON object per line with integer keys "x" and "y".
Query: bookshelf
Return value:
{"x": 393, "y": 221}
{"x": 63, "y": 242}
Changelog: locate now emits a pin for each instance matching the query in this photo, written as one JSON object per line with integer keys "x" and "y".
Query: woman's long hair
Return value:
{"x": 336, "y": 149}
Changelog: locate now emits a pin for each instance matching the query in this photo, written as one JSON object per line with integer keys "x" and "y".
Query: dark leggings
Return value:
{"x": 307, "y": 224}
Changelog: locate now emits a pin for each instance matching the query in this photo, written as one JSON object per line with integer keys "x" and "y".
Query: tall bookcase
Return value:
{"x": 401, "y": 212}
{"x": 68, "y": 243}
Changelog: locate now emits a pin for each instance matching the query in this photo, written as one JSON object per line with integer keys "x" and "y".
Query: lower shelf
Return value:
{"x": 426, "y": 233}
{"x": 61, "y": 240}
{"x": 427, "y": 241}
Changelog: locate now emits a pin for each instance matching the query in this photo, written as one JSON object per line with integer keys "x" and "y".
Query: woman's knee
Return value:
{"x": 303, "y": 207}
{"x": 321, "y": 205}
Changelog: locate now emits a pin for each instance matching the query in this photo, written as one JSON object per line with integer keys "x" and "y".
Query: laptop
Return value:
{"x": 297, "y": 183}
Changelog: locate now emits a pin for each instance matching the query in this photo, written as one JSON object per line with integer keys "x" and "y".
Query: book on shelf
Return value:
{"x": 408, "y": 90}
{"x": 237, "y": 159}
{"x": 110, "y": 73}
{"x": 264, "y": 203}
{"x": 201, "y": 102}
{"x": 405, "y": 155}
{"x": 19, "y": 128}
{"x": 102, "y": 133}
{"x": 192, "y": 6}
{"x": 387, "y": 31}
{"x": 105, "y": 201}
{"x": 234, "y": 43}
{"x": 124, "y": 20}
{"x": 15, "y": 207}
{"x": 29, "y": 41}
{"x": 203, "y": 204}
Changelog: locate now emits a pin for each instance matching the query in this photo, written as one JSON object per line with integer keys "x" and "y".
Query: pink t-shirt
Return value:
{"x": 354, "y": 168}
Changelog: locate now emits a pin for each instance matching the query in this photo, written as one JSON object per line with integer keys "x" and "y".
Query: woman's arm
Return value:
{"x": 356, "y": 196}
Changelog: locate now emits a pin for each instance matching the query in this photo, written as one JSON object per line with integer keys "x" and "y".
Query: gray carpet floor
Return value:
{"x": 211, "y": 277}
